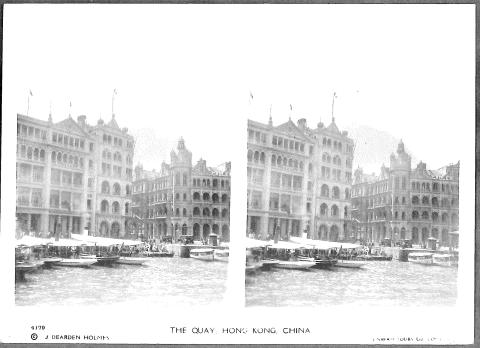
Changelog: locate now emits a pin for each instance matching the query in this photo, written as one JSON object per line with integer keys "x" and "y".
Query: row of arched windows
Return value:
{"x": 336, "y": 144}
{"x": 435, "y": 217}
{"x": 206, "y": 197}
{"x": 74, "y": 161}
{"x": 116, "y": 188}
{"x": 206, "y": 212}
{"x": 105, "y": 207}
{"x": 206, "y": 183}
{"x": 445, "y": 202}
{"x": 31, "y": 153}
{"x": 436, "y": 187}
{"x": 256, "y": 157}
{"x": 335, "y": 160}
{"x": 325, "y": 192}
{"x": 280, "y": 161}
{"x": 333, "y": 211}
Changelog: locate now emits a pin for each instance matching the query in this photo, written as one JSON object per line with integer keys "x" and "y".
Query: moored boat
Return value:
{"x": 128, "y": 260}
{"x": 267, "y": 264}
{"x": 51, "y": 261}
{"x": 77, "y": 262}
{"x": 221, "y": 255}
{"x": 445, "y": 260}
{"x": 252, "y": 268}
{"x": 300, "y": 265}
{"x": 350, "y": 263}
{"x": 206, "y": 254}
{"x": 421, "y": 258}
{"x": 107, "y": 260}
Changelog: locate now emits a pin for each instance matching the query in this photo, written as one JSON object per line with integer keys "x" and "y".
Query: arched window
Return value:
{"x": 335, "y": 192}
{"x": 127, "y": 208}
{"x": 425, "y": 200}
{"x": 215, "y": 198}
{"x": 415, "y": 200}
{"x": 415, "y": 215}
{"x": 435, "y": 201}
{"x": 224, "y": 213}
{"x": 435, "y": 216}
{"x": 196, "y": 211}
{"x": 116, "y": 189}
{"x": 104, "y": 206}
{"x": 184, "y": 212}
{"x": 324, "y": 190}
{"x": 215, "y": 212}
{"x": 206, "y": 196}
{"x": 334, "y": 210}
{"x": 274, "y": 160}
{"x": 115, "y": 207}
{"x": 425, "y": 215}
{"x": 444, "y": 217}
{"x": 347, "y": 193}
{"x": 206, "y": 212}
{"x": 454, "y": 219}
{"x": 262, "y": 157}
{"x": 105, "y": 187}
{"x": 323, "y": 209}
{"x": 224, "y": 198}
{"x": 127, "y": 189}
{"x": 256, "y": 156}
{"x": 196, "y": 196}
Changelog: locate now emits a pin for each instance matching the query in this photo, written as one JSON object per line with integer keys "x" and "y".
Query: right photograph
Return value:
{"x": 347, "y": 215}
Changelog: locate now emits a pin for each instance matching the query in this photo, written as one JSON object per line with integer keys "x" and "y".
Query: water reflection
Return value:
{"x": 160, "y": 281}
{"x": 379, "y": 283}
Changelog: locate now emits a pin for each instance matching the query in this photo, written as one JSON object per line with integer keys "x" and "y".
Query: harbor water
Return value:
{"x": 160, "y": 281}
{"x": 382, "y": 283}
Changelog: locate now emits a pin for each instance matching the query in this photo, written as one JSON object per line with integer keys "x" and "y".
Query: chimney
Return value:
{"x": 81, "y": 120}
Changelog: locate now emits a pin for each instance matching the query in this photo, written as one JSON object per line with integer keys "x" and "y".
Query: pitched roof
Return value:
{"x": 292, "y": 129}
{"x": 333, "y": 127}
{"x": 113, "y": 123}
{"x": 70, "y": 125}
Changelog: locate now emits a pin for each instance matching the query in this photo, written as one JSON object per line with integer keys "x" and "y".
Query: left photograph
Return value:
{"x": 93, "y": 225}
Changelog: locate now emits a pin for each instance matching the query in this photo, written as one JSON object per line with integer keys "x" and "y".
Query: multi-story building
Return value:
{"x": 406, "y": 203}
{"x": 299, "y": 180}
{"x": 72, "y": 176}
{"x": 182, "y": 199}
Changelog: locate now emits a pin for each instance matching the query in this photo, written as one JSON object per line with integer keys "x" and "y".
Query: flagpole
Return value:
{"x": 333, "y": 103}
{"x": 113, "y": 99}
{"x": 28, "y": 103}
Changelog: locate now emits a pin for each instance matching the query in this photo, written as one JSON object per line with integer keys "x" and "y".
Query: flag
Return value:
{"x": 31, "y": 92}
{"x": 251, "y": 95}
{"x": 334, "y": 94}
{"x": 115, "y": 91}
{"x": 291, "y": 107}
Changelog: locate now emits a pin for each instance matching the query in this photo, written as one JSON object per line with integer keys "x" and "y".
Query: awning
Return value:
{"x": 30, "y": 241}
{"x": 255, "y": 243}
{"x": 323, "y": 244}
{"x": 288, "y": 245}
{"x": 102, "y": 241}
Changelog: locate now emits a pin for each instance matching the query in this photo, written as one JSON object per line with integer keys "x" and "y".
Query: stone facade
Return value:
{"x": 406, "y": 203}
{"x": 299, "y": 180}
{"x": 182, "y": 199}
{"x": 61, "y": 168}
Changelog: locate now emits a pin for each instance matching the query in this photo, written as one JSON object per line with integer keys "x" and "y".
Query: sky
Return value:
{"x": 189, "y": 71}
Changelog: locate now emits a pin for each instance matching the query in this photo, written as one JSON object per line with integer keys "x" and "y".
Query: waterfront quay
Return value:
{"x": 159, "y": 281}
{"x": 378, "y": 283}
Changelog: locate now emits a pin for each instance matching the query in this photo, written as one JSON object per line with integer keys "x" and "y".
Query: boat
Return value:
{"x": 446, "y": 260}
{"x": 221, "y": 255}
{"x": 50, "y": 261}
{"x": 350, "y": 263}
{"x": 267, "y": 264}
{"x": 421, "y": 258}
{"x": 107, "y": 260}
{"x": 128, "y": 260}
{"x": 300, "y": 265}
{"x": 252, "y": 268}
{"x": 102, "y": 260}
{"x": 366, "y": 257}
{"x": 206, "y": 254}
{"x": 77, "y": 262}
{"x": 22, "y": 267}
